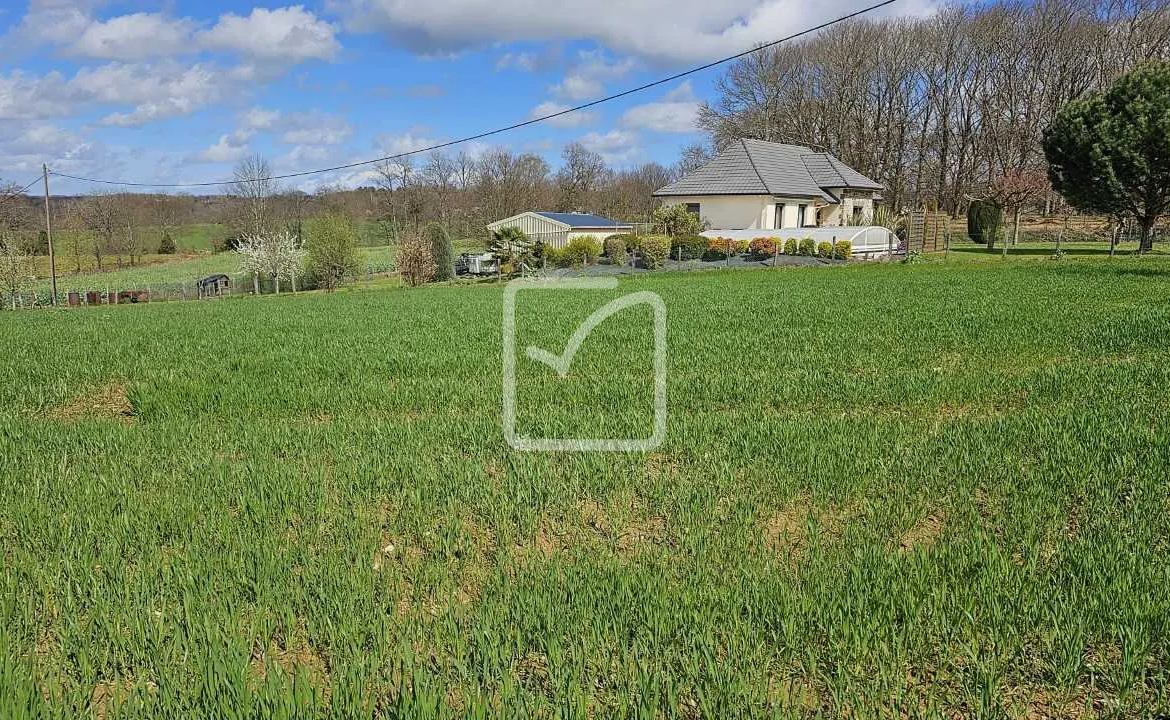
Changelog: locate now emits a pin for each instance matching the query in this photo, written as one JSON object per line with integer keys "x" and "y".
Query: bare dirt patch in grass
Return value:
{"x": 926, "y": 533}
{"x": 108, "y": 402}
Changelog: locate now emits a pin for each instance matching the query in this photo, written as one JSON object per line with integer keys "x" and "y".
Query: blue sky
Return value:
{"x": 178, "y": 91}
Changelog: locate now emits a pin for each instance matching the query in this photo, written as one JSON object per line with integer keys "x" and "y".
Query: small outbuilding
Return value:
{"x": 214, "y": 285}
{"x": 556, "y": 229}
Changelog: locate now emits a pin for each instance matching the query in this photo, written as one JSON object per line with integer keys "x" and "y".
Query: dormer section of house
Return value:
{"x": 758, "y": 185}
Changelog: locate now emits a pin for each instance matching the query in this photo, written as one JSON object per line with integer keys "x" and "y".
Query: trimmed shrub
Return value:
{"x": 791, "y": 247}
{"x": 166, "y": 246}
{"x": 615, "y": 248}
{"x": 655, "y": 249}
{"x": 844, "y": 249}
{"x": 722, "y": 248}
{"x": 629, "y": 240}
{"x": 807, "y": 247}
{"x": 984, "y": 220}
{"x": 442, "y": 251}
{"x": 583, "y": 250}
{"x": 762, "y": 247}
{"x": 824, "y": 249}
{"x": 692, "y": 247}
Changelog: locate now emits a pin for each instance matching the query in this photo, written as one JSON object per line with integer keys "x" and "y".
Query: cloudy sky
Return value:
{"x": 178, "y": 91}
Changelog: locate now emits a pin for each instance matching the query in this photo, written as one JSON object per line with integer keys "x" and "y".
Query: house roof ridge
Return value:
{"x": 752, "y": 162}
{"x": 832, "y": 160}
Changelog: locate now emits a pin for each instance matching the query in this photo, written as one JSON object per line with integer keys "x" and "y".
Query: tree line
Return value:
{"x": 939, "y": 108}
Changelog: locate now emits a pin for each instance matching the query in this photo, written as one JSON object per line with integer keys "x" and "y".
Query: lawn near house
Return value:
{"x": 924, "y": 490}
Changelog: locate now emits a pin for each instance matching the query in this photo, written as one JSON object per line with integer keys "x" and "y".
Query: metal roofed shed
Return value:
{"x": 869, "y": 241}
{"x": 556, "y": 229}
{"x": 214, "y": 285}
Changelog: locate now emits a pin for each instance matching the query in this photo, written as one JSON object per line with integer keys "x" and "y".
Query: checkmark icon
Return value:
{"x": 563, "y": 362}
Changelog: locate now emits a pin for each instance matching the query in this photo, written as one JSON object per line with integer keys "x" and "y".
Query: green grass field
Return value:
{"x": 928, "y": 490}
{"x": 175, "y": 270}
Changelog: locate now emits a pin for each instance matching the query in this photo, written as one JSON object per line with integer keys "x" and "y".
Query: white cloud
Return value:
{"x": 530, "y": 61}
{"x": 260, "y": 119}
{"x": 55, "y": 22}
{"x": 24, "y": 145}
{"x": 157, "y": 91}
{"x": 315, "y": 128}
{"x": 133, "y": 37}
{"x": 409, "y": 141}
{"x": 663, "y": 30}
{"x": 618, "y": 147}
{"x": 675, "y": 112}
{"x": 23, "y": 96}
{"x": 520, "y": 60}
{"x": 227, "y": 150}
{"x": 289, "y": 34}
{"x": 154, "y": 90}
{"x": 580, "y": 118}
{"x": 586, "y": 79}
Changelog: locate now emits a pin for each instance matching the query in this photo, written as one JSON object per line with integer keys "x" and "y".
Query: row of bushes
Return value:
{"x": 656, "y": 249}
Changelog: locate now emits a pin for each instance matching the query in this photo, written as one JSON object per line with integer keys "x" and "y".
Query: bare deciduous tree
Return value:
{"x": 254, "y": 185}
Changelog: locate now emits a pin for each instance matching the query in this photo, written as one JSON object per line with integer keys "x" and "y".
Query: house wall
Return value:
{"x": 842, "y": 214}
{"x": 749, "y": 212}
{"x": 531, "y": 223}
{"x": 738, "y": 212}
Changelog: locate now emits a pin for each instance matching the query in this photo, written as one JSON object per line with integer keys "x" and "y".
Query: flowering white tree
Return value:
{"x": 16, "y": 268}
{"x": 278, "y": 256}
{"x": 252, "y": 250}
{"x": 286, "y": 256}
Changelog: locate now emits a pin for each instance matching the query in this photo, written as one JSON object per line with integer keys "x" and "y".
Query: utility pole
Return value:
{"x": 49, "y": 234}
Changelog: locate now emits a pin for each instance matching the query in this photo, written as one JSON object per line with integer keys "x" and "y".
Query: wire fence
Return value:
{"x": 94, "y": 294}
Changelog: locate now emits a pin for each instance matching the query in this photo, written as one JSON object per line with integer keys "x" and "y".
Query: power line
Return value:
{"x": 497, "y": 131}
{"x": 13, "y": 193}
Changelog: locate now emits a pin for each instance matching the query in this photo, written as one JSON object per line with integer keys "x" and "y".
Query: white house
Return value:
{"x": 758, "y": 185}
{"x": 557, "y": 229}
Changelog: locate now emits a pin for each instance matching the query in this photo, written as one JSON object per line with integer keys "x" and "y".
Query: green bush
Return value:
{"x": 332, "y": 255}
{"x": 166, "y": 246}
{"x": 844, "y": 249}
{"x": 583, "y": 250}
{"x": 984, "y": 220}
{"x": 629, "y": 240}
{"x": 824, "y": 249}
{"x": 677, "y": 221}
{"x": 790, "y": 246}
{"x": 692, "y": 246}
{"x": 556, "y": 257}
{"x": 615, "y": 248}
{"x": 442, "y": 250}
{"x": 808, "y": 247}
{"x": 655, "y": 250}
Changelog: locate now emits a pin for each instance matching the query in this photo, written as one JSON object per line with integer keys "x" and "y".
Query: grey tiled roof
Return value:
{"x": 756, "y": 167}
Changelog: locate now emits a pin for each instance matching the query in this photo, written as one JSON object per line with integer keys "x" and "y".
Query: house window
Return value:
{"x": 693, "y": 209}
{"x": 779, "y": 221}
{"x": 857, "y": 213}
{"x": 801, "y": 211}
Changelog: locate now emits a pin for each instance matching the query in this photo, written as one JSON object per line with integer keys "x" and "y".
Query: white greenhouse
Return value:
{"x": 868, "y": 241}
